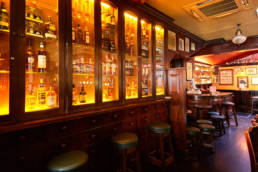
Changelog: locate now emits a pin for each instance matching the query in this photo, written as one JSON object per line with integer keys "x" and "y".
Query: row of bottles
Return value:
{"x": 83, "y": 67}
{"x": 80, "y": 36}
{"x": 4, "y": 17}
{"x": 38, "y": 64}
{"x": 80, "y": 92}
{"x": 40, "y": 97}
{"x": 37, "y": 24}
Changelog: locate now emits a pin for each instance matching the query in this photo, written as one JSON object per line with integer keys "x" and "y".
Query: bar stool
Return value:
{"x": 161, "y": 131}
{"x": 227, "y": 106}
{"x": 216, "y": 103}
{"x": 207, "y": 131}
{"x": 199, "y": 108}
{"x": 73, "y": 161}
{"x": 218, "y": 122}
{"x": 125, "y": 142}
{"x": 204, "y": 121}
{"x": 193, "y": 135}
{"x": 253, "y": 100}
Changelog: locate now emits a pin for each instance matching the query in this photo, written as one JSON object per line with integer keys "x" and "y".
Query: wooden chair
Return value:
{"x": 253, "y": 161}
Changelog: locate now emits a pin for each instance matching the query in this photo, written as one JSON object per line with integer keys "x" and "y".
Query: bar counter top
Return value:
{"x": 218, "y": 94}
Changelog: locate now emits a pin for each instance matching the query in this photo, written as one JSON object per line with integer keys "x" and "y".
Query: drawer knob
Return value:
{"x": 145, "y": 109}
{"x": 64, "y": 128}
{"x": 63, "y": 146}
{"x": 132, "y": 123}
{"x": 146, "y": 119}
{"x": 93, "y": 121}
{"x": 93, "y": 136}
{"x": 132, "y": 112}
{"x": 115, "y": 116}
{"x": 22, "y": 137}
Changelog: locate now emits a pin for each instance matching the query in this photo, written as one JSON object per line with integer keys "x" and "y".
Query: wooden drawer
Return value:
{"x": 29, "y": 136}
{"x": 115, "y": 117}
{"x": 129, "y": 125}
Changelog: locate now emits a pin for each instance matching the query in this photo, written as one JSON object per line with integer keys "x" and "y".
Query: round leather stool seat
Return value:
{"x": 207, "y": 127}
{"x": 68, "y": 162}
{"x": 213, "y": 113}
{"x": 160, "y": 128}
{"x": 228, "y": 103}
{"x": 203, "y": 121}
{"x": 125, "y": 140}
{"x": 193, "y": 131}
{"x": 217, "y": 117}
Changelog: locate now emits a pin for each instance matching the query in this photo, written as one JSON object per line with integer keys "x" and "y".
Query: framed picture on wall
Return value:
{"x": 226, "y": 77}
{"x": 181, "y": 44}
{"x": 242, "y": 82}
{"x": 254, "y": 80}
{"x": 251, "y": 70}
{"x": 187, "y": 42}
{"x": 171, "y": 40}
{"x": 189, "y": 71}
{"x": 193, "y": 46}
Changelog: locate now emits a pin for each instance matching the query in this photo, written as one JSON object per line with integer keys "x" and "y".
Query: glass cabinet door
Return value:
{"x": 83, "y": 52}
{"x": 131, "y": 60}
{"x": 160, "y": 68}
{"x": 146, "y": 59}
{"x": 42, "y": 55}
{"x": 110, "y": 83}
{"x": 4, "y": 57}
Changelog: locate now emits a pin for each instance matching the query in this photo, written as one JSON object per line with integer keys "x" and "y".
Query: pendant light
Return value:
{"x": 239, "y": 38}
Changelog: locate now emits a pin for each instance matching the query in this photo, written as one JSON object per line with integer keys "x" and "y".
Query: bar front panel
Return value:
{"x": 109, "y": 25}
{"x": 160, "y": 67}
{"x": 146, "y": 54}
{"x": 83, "y": 52}
{"x": 42, "y": 55}
{"x": 131, "y": 56}
{"x": 4, "y": 57}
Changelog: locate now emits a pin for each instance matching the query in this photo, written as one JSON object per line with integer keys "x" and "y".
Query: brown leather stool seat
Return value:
{"x": 227, "y": 106}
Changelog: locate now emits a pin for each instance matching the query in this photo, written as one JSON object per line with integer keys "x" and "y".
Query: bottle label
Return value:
{"x": 42, "y": 63}
{"x": 42, "y": 98}
{"x": 73, "y": 35}
{"x": 51, "y": 101}
{"x": 30, "y": 59}
{"x": 87, "y": 39}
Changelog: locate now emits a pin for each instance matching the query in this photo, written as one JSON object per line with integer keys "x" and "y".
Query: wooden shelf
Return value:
{"x": 34, "y": 20}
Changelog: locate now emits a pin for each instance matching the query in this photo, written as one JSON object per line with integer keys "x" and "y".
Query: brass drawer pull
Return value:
{"x": 93, "y": 121}
{"x": 22, "y": 137}
{"x": 131, "y": 123}
{"x": 115, "y": 116}
{"x": 64, "y": 128}
{"x": 63, "y": 145}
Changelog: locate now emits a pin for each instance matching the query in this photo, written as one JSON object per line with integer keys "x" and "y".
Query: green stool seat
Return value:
{"x": 213, "y": 113}
{"x": 193, "y": 131}
{"x": 207, "y": 127}
{"x": 125, "y": 140}
{"x": 203, "y": 121}
{"x": 68, "y": 162}
{"x": 217, "y": 117}
{"x": 160, "y": 128}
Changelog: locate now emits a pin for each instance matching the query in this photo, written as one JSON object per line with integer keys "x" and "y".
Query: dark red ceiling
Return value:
{"x": 218, "y": 59}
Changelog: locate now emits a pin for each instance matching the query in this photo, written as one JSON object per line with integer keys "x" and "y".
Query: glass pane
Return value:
{"x": 4, "y": 57}
{"x": 42, "y": 54}
{"x": 83, "y": 52}
{"x": 160, "y": 69}
{"x": 146, "y": 59}
{"x": 131, "y": 60}
{"x": 110, "y": 83}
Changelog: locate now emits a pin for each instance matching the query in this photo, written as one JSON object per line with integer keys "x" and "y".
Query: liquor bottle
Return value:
{"x": 30, "y": 97}
{"x": 3, "y": 17}
{"x": 41, "y": 93}
{"x": 87, "y": 35}
{"x": 42, "y": 59}
{"x": 51, "y": 98}
{"x": 79, "y": 34}
{"x": 50, "y": 28}
{"x": 74, "y": 95}
{"x": 73, "y": 34}
{"x": 82, "y": 94}
{"x": 30, "y": 57}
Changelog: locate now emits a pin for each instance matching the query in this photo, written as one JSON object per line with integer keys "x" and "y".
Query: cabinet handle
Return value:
{"x": 93, "y": 136}
{"x": 22, "y": 137}
{"x": 145, "y": 109}
{"x": 132, "y": 112}
{"x": 12, "y": 58}
{"x": 63, "y": 145}
{"x": 132, "y": 123}
{"x": 64, "y": 128}
{"x": 93, "y": 121}
{"x": 115, "y": 116}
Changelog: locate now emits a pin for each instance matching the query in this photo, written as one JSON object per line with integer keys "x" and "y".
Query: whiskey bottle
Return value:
{"x": 87, "y": 35}
{"x": 3, "y": 17}
{"x": 73, "y": 34}
{"x": 82, "y": 94}
{"x": 74, "y": 95}
{"x": 50, "y": 29}
{"x": 42, "y": 59}
{"x": 51, "y": 98}
{"x": 30, "y": 57}
{"x": 79, "y": 34}
{"x": 30, "y": 97}
{"x": 41, "y": 93}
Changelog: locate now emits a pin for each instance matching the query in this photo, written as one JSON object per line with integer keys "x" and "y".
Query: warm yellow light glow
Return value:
{"x": 130, "y": 16}
{"x": 89, "y": 101}
{"x": 160, "y": 91}
{"x": 33, "y": 108}
{"x": 4, "y": 110}
{"x": 105, "y": 5}
{"x": 132, "y": 97}
{"x": 159, "y": 28}
{"x": 143, "y": 22}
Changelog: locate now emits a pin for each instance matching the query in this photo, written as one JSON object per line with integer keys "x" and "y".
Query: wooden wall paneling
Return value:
{"x": 153, "y": 36}
{"x": 166, "y": 59}
{"x": 139, "y": 35}
{"x": 122, "y": 54}
{"x": 176, "y": 90}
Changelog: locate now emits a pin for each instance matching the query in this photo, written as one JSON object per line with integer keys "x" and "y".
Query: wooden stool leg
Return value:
{"x": 162, "y": 153}
{"x": 235, "y": 115}
{"x": 170, "y": 145}
{"x": 124, "y": 159}
{"x": 252, "y": 108}
{"x": 227, "y": 117}
{"x": 138, "y": 161}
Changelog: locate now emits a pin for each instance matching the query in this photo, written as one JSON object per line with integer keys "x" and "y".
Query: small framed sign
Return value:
{"x": 189, "y": 71}
{"x": 181, "y": 44}
{"x": 226, "y": 77}
{"x": 242, "y": 82}
{"x": 251, "y": 70}
{"x": 193, "y": 46}
{"x": 254, "y": 80}
{"x": 171, "y": 40}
